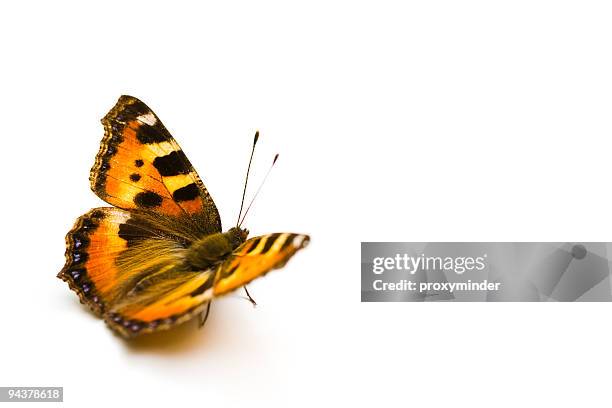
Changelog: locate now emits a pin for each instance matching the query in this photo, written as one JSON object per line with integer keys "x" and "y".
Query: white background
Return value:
{"x": 407, "y": 121}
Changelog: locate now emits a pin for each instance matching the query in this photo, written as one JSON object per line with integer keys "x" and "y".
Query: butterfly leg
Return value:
{"x": 249, "y": 296}
{"x": 204, "y": 316}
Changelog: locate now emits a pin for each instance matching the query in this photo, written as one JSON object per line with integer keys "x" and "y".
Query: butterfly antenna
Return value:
{"x": 247, "y": 175}
{"x": 259, "y": 189}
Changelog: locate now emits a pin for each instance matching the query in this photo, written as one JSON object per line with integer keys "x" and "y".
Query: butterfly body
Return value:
{"x": 211, "y": 249}
{"x": 158, "y": 256}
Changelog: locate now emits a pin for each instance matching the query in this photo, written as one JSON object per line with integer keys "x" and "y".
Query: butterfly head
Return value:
{"x": 237, "y": 236}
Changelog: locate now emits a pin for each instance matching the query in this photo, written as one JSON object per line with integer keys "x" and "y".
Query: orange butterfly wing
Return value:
{"x": 256, "y": 257}
{"x": 173, "y": 299}
{"x": 109, "y": 249}
{"x": 130, "y": 269}
{"x": 141, "y": 166}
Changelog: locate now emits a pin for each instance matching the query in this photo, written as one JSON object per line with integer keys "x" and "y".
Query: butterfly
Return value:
{"x": 158, "y": 257}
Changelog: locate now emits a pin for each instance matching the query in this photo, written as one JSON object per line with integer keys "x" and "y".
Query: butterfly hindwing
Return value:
{"x": 109, "y": 250}
{"x": 256, "y": 257}
{"x": 155, "y": 304}
{"x": 141, "y": 166}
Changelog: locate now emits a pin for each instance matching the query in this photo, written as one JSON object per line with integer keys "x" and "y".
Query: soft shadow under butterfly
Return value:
{"x": 158, "y": 257}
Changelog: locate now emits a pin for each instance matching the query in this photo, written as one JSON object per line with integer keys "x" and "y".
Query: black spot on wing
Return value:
{"x": 269, "y": 242}
{"x": 148, "y": 199}
{"x": 147, "y": 134}
{"x": 136, "y": 109}
{"x": 97, "y": 215}
{"x": 132, "y": 232}
{"x": 79, "y": 240}
{"x": 189, "y": 192}
{"x": 138, "y": 163}
{"x": 172, "y": 164}
{"x": 100, "y": 184}
{"x": 78, "y": 257}
{"x": 128, "y": 108}
{"x": 135, "y": 177}
{"x": 77, "y": 273}
{"x": 88, "y": 224}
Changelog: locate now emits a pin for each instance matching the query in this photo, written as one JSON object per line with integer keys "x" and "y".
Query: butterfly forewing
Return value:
{"x": 141, "y": 166}
{"x": 256, "y": 257}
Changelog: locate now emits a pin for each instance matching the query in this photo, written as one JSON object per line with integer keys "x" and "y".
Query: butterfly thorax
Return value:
{"x": 211, "y": 249}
